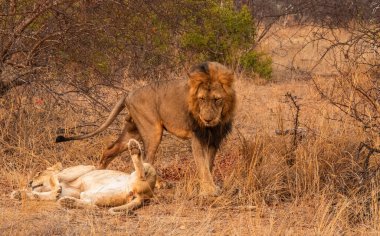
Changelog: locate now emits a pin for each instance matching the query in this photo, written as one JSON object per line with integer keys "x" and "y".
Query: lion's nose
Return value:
{"x": 30, "y": 183}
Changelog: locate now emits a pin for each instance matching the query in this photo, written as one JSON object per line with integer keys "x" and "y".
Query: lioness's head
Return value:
{"x": 211, "y": 97}
{"x": 42, "y": 180}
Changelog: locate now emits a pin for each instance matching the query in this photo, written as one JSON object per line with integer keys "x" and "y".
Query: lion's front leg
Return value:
{"x": 204, "y": 158}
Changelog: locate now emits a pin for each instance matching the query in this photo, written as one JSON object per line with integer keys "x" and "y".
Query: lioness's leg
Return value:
{"x": 71, "y": 202}
{"x": 204, "y": 158}
{"x": 72, "y": 173}
{"x": 120, "y": 145}
{"x": 33, "y": 195}
{"x": 53, "y": 194}
{"x": 45, "y": 196}
{"x": 135, "y": 152}
{"x": 19, "y": 194}
{"x": 133, "y": 205}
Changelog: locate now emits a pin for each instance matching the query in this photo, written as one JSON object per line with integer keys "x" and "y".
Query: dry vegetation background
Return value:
{"x": 316, "y": 182}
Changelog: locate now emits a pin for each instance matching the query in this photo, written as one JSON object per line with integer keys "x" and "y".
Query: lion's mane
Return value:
{"x": 207, "y": 73}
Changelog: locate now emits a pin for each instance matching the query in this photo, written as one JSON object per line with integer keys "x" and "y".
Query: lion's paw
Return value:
{"x": 16, "y": 195}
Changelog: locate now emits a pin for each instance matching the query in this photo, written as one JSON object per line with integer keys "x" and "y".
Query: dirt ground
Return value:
{"x": 170, "y": 213}
{"x": 264, "y": 197}
{"x": 181, "y": 217}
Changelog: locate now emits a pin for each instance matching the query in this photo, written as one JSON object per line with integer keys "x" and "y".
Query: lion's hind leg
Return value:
{"x": 120, "y": 145}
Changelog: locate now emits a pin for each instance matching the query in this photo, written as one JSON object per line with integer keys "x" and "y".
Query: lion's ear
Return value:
{"x": 198, "y": 73}
{"x": 195, "y": 79}
{"x": 226, "y": 77}
{"x": 200, "y": 68}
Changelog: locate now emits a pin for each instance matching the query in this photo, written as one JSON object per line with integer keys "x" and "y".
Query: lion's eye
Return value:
{"x": 218, "y": 100}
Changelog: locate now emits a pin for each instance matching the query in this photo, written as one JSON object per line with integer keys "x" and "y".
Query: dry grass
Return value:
{"x": 323, "y": 193}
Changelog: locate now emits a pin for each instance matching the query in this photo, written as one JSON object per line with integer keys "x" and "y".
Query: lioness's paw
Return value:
{"x": 59, "y": 191}
{"x": 134, "y": 147}
{"x": 16, "y": 195}
{"x": 67, "y": 202}
{"x": 210, "y": 192}
{"x": 124, "y": 212}
{"x": 163, "y": 184}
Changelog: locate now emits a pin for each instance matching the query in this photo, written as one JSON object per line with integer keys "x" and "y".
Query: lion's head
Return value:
{"x": 211, "y": 97}
{"x": 42, "y": 181}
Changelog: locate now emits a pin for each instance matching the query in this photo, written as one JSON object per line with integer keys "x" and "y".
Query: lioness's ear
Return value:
{"x": 57, "y": 166}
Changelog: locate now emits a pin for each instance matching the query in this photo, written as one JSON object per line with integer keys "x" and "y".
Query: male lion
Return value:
{"x": 200, "y": 108}
{"x": 84, "y": 186}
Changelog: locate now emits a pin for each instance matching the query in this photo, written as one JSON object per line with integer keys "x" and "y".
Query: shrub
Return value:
{"x": 257, "y": 62}
{"x": 220, "y": 33}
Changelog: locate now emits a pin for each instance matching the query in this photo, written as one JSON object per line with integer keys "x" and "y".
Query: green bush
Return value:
{"x": 257, "y": 62}
{"x": 221, "y": 33}
{"x": 217, "y": 32}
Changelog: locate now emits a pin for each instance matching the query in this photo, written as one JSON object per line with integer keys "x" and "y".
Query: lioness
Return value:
{"x": 200, "y": 108}
{"x": 84, "y": 186}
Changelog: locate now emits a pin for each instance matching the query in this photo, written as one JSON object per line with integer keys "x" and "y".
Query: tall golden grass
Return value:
{"x": 323, "y": 192}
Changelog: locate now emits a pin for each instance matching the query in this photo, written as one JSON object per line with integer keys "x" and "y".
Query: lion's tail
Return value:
{"x": 120, "y": 105}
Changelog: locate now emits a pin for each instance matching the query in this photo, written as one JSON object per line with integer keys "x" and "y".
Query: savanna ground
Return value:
{"x": 270, "y": 186}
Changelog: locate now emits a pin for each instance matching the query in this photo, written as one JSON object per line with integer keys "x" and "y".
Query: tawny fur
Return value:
{"x": 85, "y": 187}
{"x": 200, "y": 108}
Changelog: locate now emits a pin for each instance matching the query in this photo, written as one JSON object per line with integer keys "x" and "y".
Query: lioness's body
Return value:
{"x": 200, "y": 108}
{"x": 84, "y": 186}
{"x": 102, "y": 187}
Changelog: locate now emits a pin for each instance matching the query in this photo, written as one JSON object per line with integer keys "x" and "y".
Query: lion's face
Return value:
{"x": 42, "y": 179}
{"x": 211, "y": 98}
